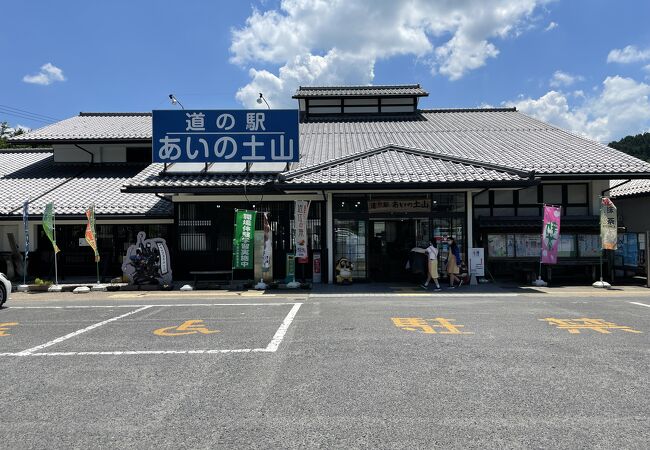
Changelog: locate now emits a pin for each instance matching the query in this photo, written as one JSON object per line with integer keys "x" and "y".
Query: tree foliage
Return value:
{"x": 6, "y": 132}
{"x": 638, "y": 146}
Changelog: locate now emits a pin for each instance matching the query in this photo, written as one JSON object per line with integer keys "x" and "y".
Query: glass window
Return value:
{"x": 350, "y": 243}
{"x": 482, "y": 199}
{"x": 552, "y": 193}
{"x": 577, "y": 193}
{"x": 349, "y": 204}
{"x": 588, "y": 245}
{"x": 501, "y": 245}
{"x": 528, "y": 245}
{"x": 453, "y": 202}
{"x": 567, "y": 246}
{"x": 528, "y": 196}
{"x": 503, "y": 198}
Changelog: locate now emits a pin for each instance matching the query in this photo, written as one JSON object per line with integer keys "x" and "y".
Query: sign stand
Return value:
{"x": 647, "y": 258}
{"x": 56, "y": 269}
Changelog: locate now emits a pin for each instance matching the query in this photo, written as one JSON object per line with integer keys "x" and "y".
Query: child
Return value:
{"x": 432, "y": 253}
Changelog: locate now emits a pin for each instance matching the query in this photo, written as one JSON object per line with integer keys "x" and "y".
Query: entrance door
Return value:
{"x": 389, "y": 246}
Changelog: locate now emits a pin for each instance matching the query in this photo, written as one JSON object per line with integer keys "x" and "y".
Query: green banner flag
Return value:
{"x": 48, "y": 225}
{"x": 90, "y": 231}
{"x": 242, "y": 244}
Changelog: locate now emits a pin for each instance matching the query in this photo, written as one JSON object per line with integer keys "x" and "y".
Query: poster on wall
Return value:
{"x": 147, "y": 262}
{"x": 243, "y": 244}
{"x": 300, "y": 220}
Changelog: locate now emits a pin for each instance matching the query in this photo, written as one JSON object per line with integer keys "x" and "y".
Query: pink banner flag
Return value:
{"x": 551, "y": 234}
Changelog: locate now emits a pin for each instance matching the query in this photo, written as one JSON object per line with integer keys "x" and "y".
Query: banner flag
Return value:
{"x": 26, "y": 226}
{"x": 242, "y": 244}
{"x": 48, "y": 225}
{"x": 551, "y": 234}
{"x": 608, "y": 224}
{"x": 300, "y": 221}
{"x": 90, "y": 231}
{"x": 266, "y": 254}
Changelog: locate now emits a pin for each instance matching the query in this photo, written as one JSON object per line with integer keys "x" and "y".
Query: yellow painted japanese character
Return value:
{"x": 187, "y": 327}
{"x": 574, "y": 326}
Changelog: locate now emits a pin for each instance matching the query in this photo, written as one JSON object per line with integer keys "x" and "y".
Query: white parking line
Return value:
{"x": 175, "y": 305}
{"x": 273, "y": 346}
{"x": 279, "y": 335}
{"x": 32, "y": 350}
{"x": 150, "y": 352}
{"x": 640, "y": 304}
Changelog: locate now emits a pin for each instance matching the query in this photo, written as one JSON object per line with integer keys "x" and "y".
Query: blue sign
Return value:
{"x": 184, "y": 136}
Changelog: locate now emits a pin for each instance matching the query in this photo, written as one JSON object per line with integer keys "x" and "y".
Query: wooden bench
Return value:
{"x": 216, "y": 276}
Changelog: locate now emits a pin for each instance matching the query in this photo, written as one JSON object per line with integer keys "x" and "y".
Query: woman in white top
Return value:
{"x": 432, "y": 253}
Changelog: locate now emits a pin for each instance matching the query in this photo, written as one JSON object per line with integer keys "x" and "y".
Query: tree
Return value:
{"x": 7, "y": 132}
{"x": 637, "y": 146}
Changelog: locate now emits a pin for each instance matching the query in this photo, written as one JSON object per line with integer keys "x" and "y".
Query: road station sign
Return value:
{"x": 209, "y": 136}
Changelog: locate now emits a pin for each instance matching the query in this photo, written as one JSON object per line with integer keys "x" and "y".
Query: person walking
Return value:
{"x": 432, "y": 272}
{"x": 453, "y": 263}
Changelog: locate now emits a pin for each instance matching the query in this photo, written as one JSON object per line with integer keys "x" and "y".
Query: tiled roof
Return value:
{"x": 496, "y": 136}
{"x": 499, "y": 136}
{"x": 634, "y": 187}
{"x": 154, "y": 177}
{"x": 399, "y": 165}
{"x": 361, "y": 91}
{"x": 34, "y": 176}
{"x": 93, "y": 127}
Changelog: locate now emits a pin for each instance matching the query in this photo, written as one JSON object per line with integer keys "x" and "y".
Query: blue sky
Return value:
{"x": 581, "y": 64}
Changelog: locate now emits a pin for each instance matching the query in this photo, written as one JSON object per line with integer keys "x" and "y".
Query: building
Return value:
{"x": 632, "y": 198}
{"x": 382, "y": 176}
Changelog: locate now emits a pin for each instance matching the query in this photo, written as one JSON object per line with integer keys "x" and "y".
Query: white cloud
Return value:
{"x": 620, "y": 108}
{"x": 560, "y": 79}
{"x": 339, "y": 41}
{"x": 552, "y": 26}
{"x": 627, "y": 55}
{"x": 48, "y": 74}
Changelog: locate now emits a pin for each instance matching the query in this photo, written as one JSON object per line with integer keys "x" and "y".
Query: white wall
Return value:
{"x": 17, "y": 230}
{"x": 597, "y": 187}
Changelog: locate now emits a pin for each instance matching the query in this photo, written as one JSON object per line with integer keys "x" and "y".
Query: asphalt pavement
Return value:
{"x": 399, "y": 369}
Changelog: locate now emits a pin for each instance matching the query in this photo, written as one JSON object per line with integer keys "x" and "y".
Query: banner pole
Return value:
{"x": 539, "y": 282}
{"x": 96, "y": 244}
{"x": 56, "y": 269}
{"x": 26, "y": 238}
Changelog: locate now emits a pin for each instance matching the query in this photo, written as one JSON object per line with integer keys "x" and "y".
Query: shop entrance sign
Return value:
{"x": 209, "y": 136}
{"x": 477, "y": 262}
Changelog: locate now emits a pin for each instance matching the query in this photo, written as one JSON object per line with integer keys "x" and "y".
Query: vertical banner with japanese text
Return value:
{"x": 242, "y": 245}
{"x": 48, "y": 225}
{"x": 268, "y": 245}
{"x": 300, "y": 221}
{"x": 90, "y": 231}
{"x": 608, "y": 224}
{"x": 551, "y": 234}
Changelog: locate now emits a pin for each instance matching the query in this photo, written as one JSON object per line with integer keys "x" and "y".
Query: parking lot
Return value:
{"x": 395, "y": 370}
